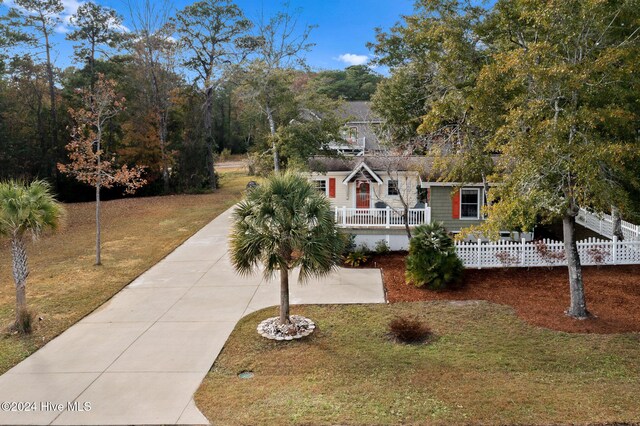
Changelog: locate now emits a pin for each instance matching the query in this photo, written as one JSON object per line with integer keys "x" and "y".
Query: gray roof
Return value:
{"x": 359, "y": 111}
{"x": 376, "y": 163}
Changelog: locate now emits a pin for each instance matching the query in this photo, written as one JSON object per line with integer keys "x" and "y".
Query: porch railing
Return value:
{"x": 603, "y": 225}
{"x": 380, "y": 218}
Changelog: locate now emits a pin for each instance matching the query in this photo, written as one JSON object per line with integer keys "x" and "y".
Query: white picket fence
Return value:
{"x": 603, "y": 225}
{"x": 501, "y": 254}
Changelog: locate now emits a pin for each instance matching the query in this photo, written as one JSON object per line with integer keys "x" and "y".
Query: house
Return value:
{"x": 373, "y": 196}
{"x": 360, "y": 131}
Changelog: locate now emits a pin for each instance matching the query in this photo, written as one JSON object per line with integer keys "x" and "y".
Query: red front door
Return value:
{"x": 363, "y": 195}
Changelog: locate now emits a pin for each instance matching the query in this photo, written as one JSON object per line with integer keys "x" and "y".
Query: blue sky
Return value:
{"x": 343, "y": 26}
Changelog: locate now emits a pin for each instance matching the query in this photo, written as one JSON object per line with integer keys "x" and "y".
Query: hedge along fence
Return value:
{"x": 505, "y": 254}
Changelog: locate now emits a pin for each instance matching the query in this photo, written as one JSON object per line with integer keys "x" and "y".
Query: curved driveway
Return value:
{"x": 139, "y": 358}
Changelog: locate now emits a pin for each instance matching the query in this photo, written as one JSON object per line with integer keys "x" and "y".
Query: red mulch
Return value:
{"x": 539, "y": 295}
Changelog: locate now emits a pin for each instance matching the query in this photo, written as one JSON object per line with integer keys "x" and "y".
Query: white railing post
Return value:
{"x": 522, "y": 255}
{"x": 426, "y": 214}
{"x": 388, "y": 213}
{"x": 478, "y": 255}
{"x": 344, "y": 215}
{"x": 614, "y": 250}
{"x": 336, "y": 215}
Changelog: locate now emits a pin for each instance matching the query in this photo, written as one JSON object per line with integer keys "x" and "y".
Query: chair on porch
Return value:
{"x": 381, "y": 215}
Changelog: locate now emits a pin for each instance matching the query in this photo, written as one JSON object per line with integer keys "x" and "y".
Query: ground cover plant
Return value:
{"x": 485, "y": 366}
{"x": 64, "y": 285}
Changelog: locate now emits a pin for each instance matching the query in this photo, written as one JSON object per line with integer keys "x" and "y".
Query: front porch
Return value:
{"x": 387, "y": 217}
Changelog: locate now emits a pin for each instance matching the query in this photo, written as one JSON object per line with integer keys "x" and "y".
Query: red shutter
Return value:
{"x": 332, "y": 187}
{"x": 455, "y": 205}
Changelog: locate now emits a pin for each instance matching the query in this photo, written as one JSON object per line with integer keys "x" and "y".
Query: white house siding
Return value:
{"x": 396, "y": 239}
{"x": 345, "y": 194}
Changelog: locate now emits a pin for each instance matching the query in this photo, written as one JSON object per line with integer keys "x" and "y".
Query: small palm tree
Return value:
{"x": 283, "y": 224}
{"x": 25, "y": 209}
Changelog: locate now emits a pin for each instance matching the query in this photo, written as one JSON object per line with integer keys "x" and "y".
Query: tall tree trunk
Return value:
{"x": 54, "y": 110}
{"x": 98, "y": 257}
{"x": 163, "y": 152}
{"x": 272, "y": 129}
{"x": 210, "y": 142}
{"x": 20, "y": 272}
{"x": 578, "y": 307}
{"x": 405, "y": 210}
{"x": 617, "y": 223}
{"x": 284, "y": 296}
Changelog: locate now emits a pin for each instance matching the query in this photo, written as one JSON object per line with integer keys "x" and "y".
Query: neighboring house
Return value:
{"x": 368, "y": 194}
{"x": 360, "y": 130}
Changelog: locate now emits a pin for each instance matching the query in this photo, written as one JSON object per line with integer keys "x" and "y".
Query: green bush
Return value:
{"x": 432, "y": 259}
{"x": 349, "y": 243}
{"x": 356, "y": 258}
{"x": 382, "y": 247}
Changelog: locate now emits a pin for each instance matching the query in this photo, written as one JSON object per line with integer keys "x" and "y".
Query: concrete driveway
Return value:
{"x": 139, "y": 358}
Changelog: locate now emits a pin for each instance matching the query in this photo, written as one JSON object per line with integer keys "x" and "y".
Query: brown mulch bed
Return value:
{"x": 539, "y": 295}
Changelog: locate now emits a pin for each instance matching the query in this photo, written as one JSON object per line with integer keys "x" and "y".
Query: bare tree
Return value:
{"x": 86, "y": 152}
{"x": 213, "y": 34}
{"x": 156, "y": 51}
{"x": 281, "y": 45}
{"x": 402, "y": 169}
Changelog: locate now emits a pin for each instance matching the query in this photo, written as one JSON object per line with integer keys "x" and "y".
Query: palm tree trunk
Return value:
{"x": 578, "y": 307}
{"x": 284, "y": 296}
{"x": 20, "y": 272}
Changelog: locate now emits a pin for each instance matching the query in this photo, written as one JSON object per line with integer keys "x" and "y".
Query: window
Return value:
{"x": 423, "y": 194}
{"x": 392, "y": 187}
{"x": 350, "y": 134}
{"x": 470, "y": 203}
{"x": 321, "y": 185}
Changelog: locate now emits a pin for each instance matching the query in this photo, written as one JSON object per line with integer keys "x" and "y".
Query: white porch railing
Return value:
{"x": 503, "y": 254}
{"x": 380, "y": 218}
{"x": 603, "y": 225}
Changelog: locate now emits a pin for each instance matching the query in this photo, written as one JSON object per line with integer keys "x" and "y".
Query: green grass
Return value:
{"x": 484, "y": 366}
{"x": 64, "y": 285}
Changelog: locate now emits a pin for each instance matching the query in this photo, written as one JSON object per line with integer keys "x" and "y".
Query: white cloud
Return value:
{"x": 70, "y": 8}
{"x": 353, "y": 59}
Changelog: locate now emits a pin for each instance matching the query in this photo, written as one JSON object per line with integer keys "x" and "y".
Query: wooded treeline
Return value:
{"x": 195, "y": 82}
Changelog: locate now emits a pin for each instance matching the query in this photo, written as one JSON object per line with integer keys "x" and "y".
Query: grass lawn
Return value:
{"x": 485, "y": 365}
{"x": 64, "y": 285}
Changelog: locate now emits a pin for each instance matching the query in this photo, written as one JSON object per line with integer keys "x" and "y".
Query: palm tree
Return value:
{"x": 283, "y": 224}
{"x": 25, "y": 209}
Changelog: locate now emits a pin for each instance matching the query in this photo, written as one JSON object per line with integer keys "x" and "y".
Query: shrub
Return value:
{"x": 382, "y": 247}
{"x": 224, "y": 155}
{"x": 409, "y": 330}
{"x": 349, "y": 243}
{"x": 356, "y": 258}
{"x": 432, "y": 259}
{"x": 24, "y": 321}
